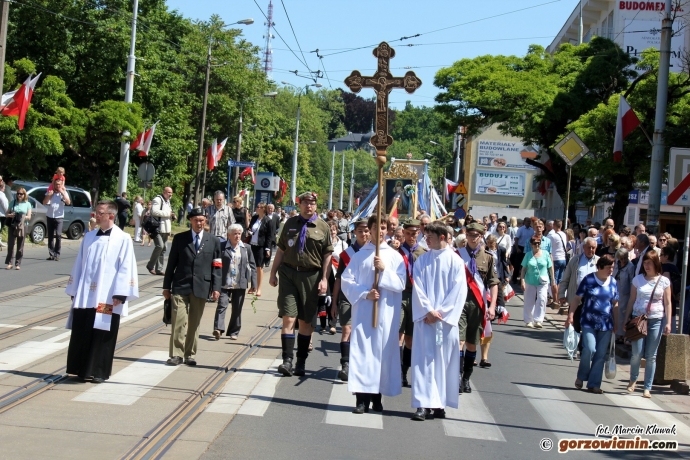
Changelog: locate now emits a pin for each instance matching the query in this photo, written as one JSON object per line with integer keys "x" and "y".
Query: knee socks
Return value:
{"x": 468, "y": 365}
{"x": 288, "y": 343}
{"x": 406, "y": 357}
{"x": 344, "y": 352}
{"x": 303, "y": 346}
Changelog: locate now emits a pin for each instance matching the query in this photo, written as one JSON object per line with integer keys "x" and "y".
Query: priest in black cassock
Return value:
{"x": 103, "y": 280}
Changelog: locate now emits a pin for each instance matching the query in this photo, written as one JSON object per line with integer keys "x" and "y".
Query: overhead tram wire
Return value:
{"x": 295, "y": 35}
{"x": 448, "y": 27}
{"x": 322, "y": 66}
{"x": 282, "y": 39}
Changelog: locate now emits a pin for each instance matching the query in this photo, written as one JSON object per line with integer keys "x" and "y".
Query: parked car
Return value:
{"x": 77, "y": 214}
{"x": 38, "y": 222}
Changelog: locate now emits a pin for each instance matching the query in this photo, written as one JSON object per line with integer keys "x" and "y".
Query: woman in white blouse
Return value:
{"x": 503, "y": 238}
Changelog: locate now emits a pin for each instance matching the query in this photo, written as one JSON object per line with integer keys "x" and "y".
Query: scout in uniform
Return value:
{"x": 302, "y": 261}
{"x": 409, "y": 250}
{"x": 481, "y": 280}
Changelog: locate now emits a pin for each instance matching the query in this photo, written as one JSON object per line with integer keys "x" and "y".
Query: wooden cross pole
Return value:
{"x": 382, "y": 82}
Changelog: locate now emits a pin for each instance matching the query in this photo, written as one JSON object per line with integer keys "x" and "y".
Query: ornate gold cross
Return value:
{"x": 382, "y": 83}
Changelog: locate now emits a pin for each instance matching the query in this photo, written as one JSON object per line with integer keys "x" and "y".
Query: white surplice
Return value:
{"x": 374, "y": 352}
{"x": 440, "y": 284}
{"x": 105, "y": 267}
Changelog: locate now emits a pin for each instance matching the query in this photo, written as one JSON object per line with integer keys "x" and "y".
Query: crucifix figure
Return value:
{"x": 382, "y": 82}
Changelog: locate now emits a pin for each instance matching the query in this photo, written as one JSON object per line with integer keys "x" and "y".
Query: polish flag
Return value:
{"x": 214, "y": 153}
{"x": 394, "y": 212}
{"x": 243, "y": 192}
{"x": 143, "y": 141}
{"x": 246, "y": 172}
{"x": 449, "y": 188}
{"x": 17, "y": 103}
{"x": 625, "y": 124}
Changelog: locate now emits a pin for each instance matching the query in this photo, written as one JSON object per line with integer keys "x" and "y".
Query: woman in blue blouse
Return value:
{"x": 598, "y": 293}
{"x": 19, "y": 213}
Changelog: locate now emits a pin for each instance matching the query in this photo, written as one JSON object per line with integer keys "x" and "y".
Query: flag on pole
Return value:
{"x": 17, "y": 103}
{"x": 246, "y": 172}
{"x": 625, "y": 124}
{"x": 449, "y": 189}
{"x": 394, "y": 211}
{"x": 214, "y": 153}
{"x": 143, "y": 141}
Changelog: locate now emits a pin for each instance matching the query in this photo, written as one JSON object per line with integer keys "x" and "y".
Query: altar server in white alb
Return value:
{"x": 374, "y": 352}
{"x": 103, "y": 280}
{"x": 438, "y": 297}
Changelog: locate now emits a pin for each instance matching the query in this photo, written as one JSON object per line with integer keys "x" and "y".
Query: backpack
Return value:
{"x": 150, "y": 223}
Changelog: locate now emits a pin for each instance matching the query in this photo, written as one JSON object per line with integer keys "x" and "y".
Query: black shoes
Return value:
{"x": 343, "y": 373}
{"x": 439, "y": 413}
{"x": 50, "y": 258}
{"x": 97, "y": 380}
{"x": 465, "y": 386}
{"x": 484, "y": 363}
{"x": 377, "y": 406}
{"x": 360, "y": 409}
{"x": 286, "y": 367}
{"x": 299, "y": 367}
{"x": 174, "y": 361}
{"x": 190, "y": 361}
{"x": 422, "y": 414}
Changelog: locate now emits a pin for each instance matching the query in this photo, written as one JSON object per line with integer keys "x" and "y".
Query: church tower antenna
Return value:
{"x": 268, "y": 52}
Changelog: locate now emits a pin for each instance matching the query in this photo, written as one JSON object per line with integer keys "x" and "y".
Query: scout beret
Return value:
{"x": 359, "y": 222}
{"x": 195, "y": 212}
{"x": 412, "y": 223}
{"x": 477, "y": 227}
{"x": 307, "y": 196}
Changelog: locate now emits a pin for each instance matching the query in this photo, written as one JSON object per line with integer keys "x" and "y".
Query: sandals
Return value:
{"x": 484, "y": 363}
{"x": 631, "y": 387}
{"x": 578, "y": 384}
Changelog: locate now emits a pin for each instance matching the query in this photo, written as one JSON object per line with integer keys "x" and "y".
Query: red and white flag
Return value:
{"x": 143, "y": 141}
{"x": 625, "y": 124}
{"x": 214, "y": 153}
{"x": 394, "y": 211}
{"x": 449, "y": 188}
{"x": 17, "y": 103}
{"x": 246, "y": 172}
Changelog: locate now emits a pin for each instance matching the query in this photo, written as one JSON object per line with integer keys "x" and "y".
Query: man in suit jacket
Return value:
{"x": 193, "y": 272}
{"x": 239, "y": 269}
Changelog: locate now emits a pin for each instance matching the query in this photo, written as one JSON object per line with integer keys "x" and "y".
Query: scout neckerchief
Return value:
{"x": 407, "y": 252}
{"x": 303, "y": 232}
{"x": 474, "y": 280}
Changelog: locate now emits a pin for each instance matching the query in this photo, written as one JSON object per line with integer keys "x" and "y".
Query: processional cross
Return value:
{"x": 382, "y": 82}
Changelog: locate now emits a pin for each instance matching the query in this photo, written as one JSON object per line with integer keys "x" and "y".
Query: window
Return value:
{"x": 631, "y": 220}
{"x": 79, "y": 199}
{"x": 38, "y": 194}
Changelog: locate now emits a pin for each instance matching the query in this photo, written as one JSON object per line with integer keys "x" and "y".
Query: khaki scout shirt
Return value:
{"x": 487, "y": 271}
{"x": 317, "y": 246}
{"x": 417, "y": 252}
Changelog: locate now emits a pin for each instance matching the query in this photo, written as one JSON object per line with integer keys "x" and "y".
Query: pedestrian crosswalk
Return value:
{"x": 472, "y": 419}
{"x": 552, "y": 404}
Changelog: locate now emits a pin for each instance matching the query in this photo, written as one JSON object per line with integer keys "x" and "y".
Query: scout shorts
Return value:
{"x": 344, "y": 311}
{"x": 298, "y": 293}
{"x": 406, "y": 322}
{"x": 470, "y": 324}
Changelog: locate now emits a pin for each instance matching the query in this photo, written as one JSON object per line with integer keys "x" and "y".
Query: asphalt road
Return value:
{"x": 526, "y": 398}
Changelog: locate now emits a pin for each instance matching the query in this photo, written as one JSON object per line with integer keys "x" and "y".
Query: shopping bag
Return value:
{"x": 570, "y": 341}
{"x": 610, "y": 364}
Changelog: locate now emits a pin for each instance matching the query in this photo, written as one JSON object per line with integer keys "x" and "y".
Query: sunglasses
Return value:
{"x": 21, "y": 194}
{"x": 535, "y": 243}
{"x": 662, "y": 239}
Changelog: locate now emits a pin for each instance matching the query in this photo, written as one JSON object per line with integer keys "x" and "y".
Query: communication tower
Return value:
{"x": 268, "y": 52}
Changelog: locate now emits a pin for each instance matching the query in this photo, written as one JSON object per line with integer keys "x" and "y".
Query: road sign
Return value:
{"x": 146, "y": 172}
{"x": 571, "y": 148}
{"x": 679, "y": 177}
{"x": 460, "y": 213}
{"x": 461, "y": 189}
{"x": 267, "y": 183}
{"x": 241, "y": 164}
{"x": 145, "y": 184}
{"x": 288, "y": 208}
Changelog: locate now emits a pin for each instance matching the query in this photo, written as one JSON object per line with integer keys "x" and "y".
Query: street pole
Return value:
{"x": 581, "y": 29}
{"x": 293, "y": 182}
{"x": 197, "y": 188}
{"x": 342, "y": 182}
{"x": 657, "y": 166}
{"x": 352, "y": 186}
{"x": 456, "y": 166}
{"x": 684, "y": 276}
{"x": 567, "y": 198}
{"x": 129, "y": 91}
{"x": 4, "y": 19}
{"x": 239, "y": 147}
{"x": 330, "y": 192}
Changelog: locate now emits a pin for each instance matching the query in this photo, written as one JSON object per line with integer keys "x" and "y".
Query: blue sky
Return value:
{"x": 337, "y": 25}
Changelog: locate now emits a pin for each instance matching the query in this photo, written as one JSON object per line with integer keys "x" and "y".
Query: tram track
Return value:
{"x": 55, "y": 317}
{"x": 156, "y": 442}
{"x": 50, "y": 380}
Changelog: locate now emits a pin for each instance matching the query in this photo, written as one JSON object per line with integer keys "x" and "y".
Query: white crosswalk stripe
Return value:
{"x": 340, "y": 405}
{"x": 242, "y": 384}
{"x": 472, "y": 419}
{"x": 647, "y": 412}
{"x": 131, "y": 383}
{"x": 262, "y": 394}
{"x": 562, "y": 415}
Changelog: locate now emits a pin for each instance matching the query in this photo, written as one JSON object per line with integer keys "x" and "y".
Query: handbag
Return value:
{"x": 565, "y": 248}
{"x": 151, "y": 223}
{"x": 610, "y": 366}
{"x": 636, "y": 328}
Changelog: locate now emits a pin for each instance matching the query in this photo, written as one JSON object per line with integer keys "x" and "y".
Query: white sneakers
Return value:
{"x": 533, "y": 325}
{"x": 538, "y": 325}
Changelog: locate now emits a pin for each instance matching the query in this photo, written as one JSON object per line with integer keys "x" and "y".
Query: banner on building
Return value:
{"x": 500, "y": 183}
{"x": 504, "y": 154}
